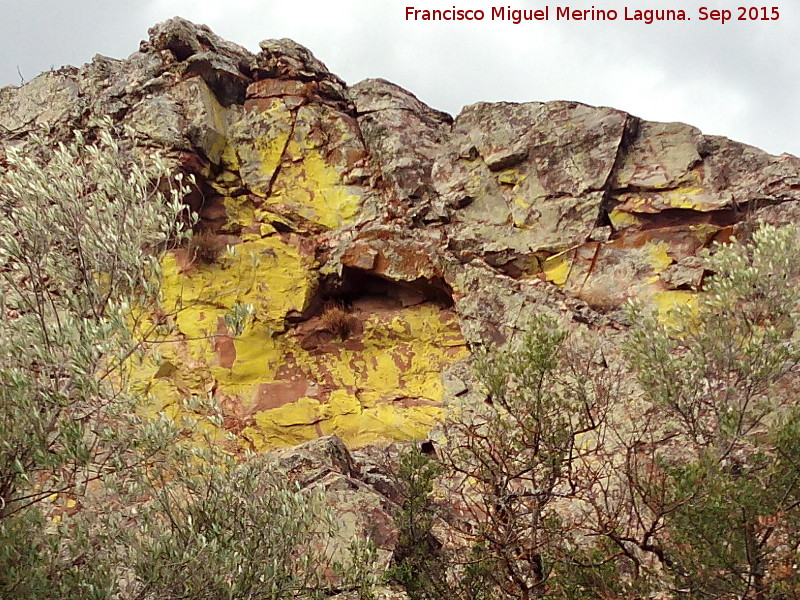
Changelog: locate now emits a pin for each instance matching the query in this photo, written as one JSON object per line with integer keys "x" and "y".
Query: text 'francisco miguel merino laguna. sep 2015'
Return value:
{"x": 567, "y": 13}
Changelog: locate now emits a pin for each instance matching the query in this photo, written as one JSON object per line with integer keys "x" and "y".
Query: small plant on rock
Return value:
{"x": 336, "y": 320}
{"x": 206, "y": 247}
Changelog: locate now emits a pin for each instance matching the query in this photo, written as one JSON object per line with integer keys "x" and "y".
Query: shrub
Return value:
{"x": 80, "y": 233}
{"x": 220, "y": 528}
{"x": 79, "y": 238}
{"x": 418, "y": 564}
{"x": 720, "y": 505}
{"x": 700, "y": 499}
{"x": 98, "y": 500}
{"x": 511, "y": 462}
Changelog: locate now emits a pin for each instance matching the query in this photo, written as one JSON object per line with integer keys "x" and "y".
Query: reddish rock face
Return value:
{"x": 365, "y": 196}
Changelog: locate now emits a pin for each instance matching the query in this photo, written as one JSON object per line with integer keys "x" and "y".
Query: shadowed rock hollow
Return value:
{"x": 426, "y": 234}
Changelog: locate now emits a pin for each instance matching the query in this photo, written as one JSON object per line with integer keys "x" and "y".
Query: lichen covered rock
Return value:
{"x": 376, "y": 239}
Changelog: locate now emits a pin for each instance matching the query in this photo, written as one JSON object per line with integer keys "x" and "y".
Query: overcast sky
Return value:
{"x": 739, "y": 79}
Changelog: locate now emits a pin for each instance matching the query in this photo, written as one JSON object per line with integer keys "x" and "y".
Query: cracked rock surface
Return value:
{"x": 429, "y": 234}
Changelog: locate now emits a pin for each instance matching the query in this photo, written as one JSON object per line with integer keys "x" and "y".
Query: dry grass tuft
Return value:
{"x": 336, "y": 320}
{"x": 206, "y": 247}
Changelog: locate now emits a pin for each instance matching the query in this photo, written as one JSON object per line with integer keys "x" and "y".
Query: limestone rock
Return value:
{"x": 312, "y": 461}
{"x": 286, "y": 60}
{"x": 671, "y": 166}
{"x": 200, "y": 52}
{"x": 527, "y": 180}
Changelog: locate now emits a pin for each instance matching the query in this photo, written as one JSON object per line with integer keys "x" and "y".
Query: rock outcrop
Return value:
{"x": 379, "y": 239}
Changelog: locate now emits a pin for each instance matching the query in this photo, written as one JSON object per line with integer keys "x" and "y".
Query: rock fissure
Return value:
{"x": 629, "y": 132}
{"x": 283, "y": 154}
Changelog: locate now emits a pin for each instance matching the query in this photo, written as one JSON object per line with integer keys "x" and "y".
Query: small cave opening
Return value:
{"x": 355, "y": 284}
{"x": 357, "y": 288}
{"x": 336, "y": 314}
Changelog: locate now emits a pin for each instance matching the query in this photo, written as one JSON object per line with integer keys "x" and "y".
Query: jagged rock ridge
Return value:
{"x": 433, "y": 233}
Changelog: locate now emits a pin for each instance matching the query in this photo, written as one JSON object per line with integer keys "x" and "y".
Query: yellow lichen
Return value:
{"x": 658, "y": 256}
{"x": 383, "y": 384}
{"x": 282, "y": 161}
{"x": 372, "y": 424}
{"x": 705, "y": 231}
{"x": 267, "y": 273}
{"x": 258, "y": 356}
{"x": 216, "y": 134}
{"x": 230, "y": 159}
{"x": 288, "y": 425}
{"x": 264, "y": 230}
{"x": 683, "y": 197}
{"x": 240, "y": 212}
{"x": 621, "y": 219}
{"x": 399, "y": 356}
{"x": 557, "y": 268}
{"x": 521, "y": 202}
{"x": 511, "y": 177}
{"x": 312, "y": 189}
{"x": 667, "y": 301}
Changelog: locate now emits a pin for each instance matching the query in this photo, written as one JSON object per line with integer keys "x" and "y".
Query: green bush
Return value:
{"x": 79, "y": 235}
{"x": 98, "y": 501}
{"x": 720, "y": 502}
{"x": 217, "y": 528}
{"x": 698, "y": 499}
{"x": 81, "y": 227}
{"x": 513, "y": 460}
{"x": 418, "y": 565}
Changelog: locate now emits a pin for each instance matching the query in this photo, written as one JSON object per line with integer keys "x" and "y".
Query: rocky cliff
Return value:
{"x": 378, "y": 239}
